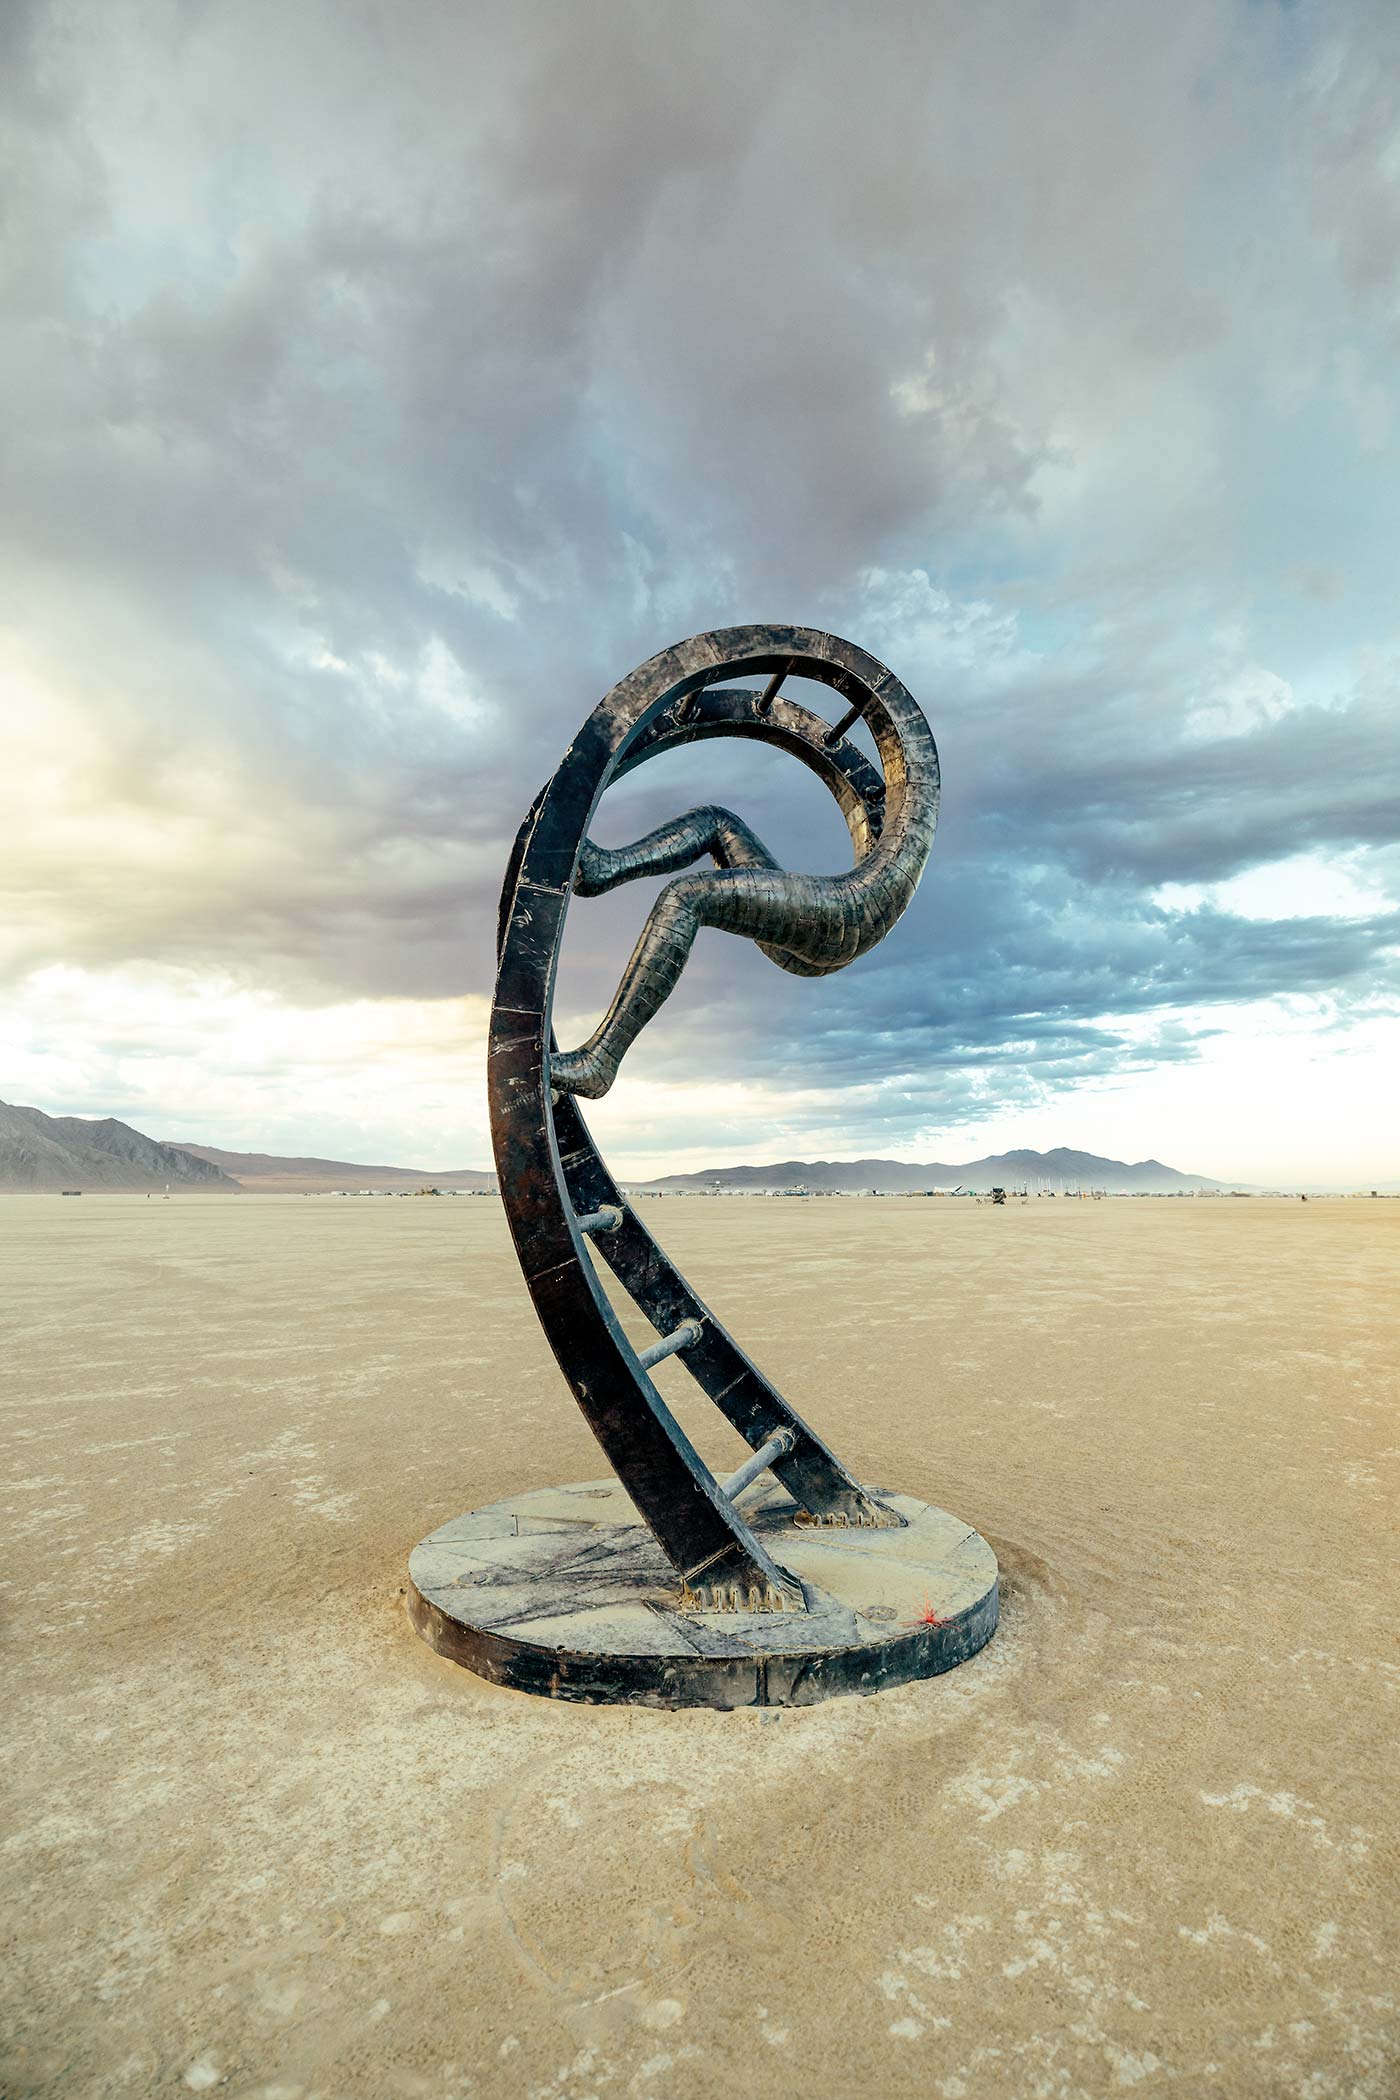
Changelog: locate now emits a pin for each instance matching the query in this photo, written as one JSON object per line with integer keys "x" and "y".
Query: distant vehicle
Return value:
{"x": 70, "y": 1192}
{"x": 998, "y": 1195}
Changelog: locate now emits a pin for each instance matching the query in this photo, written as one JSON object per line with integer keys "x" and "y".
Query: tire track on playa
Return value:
{"x": 640, "y": 1890}
{"x": 592, "y": 2018}
{"x": 531, "y": 1959}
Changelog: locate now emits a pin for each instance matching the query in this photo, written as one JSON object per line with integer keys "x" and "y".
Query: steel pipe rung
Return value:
{"x": 778, "y": 1446}
{"x": 680, "y": 1338}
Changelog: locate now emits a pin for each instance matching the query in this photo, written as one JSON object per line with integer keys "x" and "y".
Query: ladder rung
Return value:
{"x": 680, "y": 1338}
{"x": 770, "y": 692}
{"x": 852, "y": 715}
{"x": 778, "y": 1445}
{"x": 605, "y": 1219}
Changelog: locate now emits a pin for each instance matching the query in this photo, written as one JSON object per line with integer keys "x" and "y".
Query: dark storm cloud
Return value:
{"x": 392, "y": 380}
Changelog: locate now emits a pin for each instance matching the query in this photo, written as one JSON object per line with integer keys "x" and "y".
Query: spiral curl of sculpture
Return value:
{"x": 810, "y": 925}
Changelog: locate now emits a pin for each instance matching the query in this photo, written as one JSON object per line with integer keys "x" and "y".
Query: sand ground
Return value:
{"x": 260, "y": 1841}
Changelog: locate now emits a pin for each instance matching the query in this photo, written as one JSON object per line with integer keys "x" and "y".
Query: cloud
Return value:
{"x": 183, "y": 1054}
{"x": 393, "y": 380}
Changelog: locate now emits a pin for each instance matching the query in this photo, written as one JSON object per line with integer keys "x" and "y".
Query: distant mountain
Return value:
{"x": 43, "y": 1153}
{"x": 274, "y": 1175}
{"x": 1061, "y": 1170}
{"x": 68, "y": 1152}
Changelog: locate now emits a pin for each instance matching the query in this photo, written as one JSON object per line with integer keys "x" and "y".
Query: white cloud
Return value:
{"x": 907, "y": 615}
{"x": 185, "y": 1054}
{"x": 1277, "y": 1092}
{"x": 1306, "y": 885}
{"x": 1247, "y": 699}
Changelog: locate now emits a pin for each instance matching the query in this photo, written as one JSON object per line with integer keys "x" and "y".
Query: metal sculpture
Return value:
{"x": 562, "y": 1204}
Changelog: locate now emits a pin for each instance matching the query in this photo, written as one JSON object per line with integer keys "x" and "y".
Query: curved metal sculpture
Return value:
{"x": 818, "y": 1585}
{"x": 559, "y": 1197}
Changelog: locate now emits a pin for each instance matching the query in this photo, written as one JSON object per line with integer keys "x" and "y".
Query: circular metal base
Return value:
{"x": 564, "y": 1591}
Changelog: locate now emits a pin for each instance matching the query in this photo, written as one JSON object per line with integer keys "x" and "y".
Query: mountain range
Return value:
{"x": 273, "y": 1175}
{"x": 1061, "y": 1170}
{"x": 44, "y": 1153}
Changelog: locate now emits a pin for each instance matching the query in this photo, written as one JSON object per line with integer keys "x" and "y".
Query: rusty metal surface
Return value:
{"x": 550, "y": 1173}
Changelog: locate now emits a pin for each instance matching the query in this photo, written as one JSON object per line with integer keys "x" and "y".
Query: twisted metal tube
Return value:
{"x": 809, "y": 925}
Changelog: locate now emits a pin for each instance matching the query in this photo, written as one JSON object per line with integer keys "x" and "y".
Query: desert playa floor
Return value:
{"x": 260, "y": 1841}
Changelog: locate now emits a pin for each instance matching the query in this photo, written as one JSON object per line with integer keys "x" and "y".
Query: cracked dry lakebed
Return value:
{"x": 260, "y": 1841}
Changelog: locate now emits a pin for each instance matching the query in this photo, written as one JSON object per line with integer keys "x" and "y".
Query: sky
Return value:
{"x": 386, "y": 381}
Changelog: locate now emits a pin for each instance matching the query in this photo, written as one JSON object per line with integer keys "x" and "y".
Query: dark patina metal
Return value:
{"x": 561, "y": 1202}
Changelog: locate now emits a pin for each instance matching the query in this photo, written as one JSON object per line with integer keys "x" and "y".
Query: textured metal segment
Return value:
{"x": 813, "y": 1475}
{"x": 808, "y": 924}
{"x": 553, "y": 1182}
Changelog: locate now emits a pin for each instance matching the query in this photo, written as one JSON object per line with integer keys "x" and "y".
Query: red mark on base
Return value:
{"x": 927, "y": 1617}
